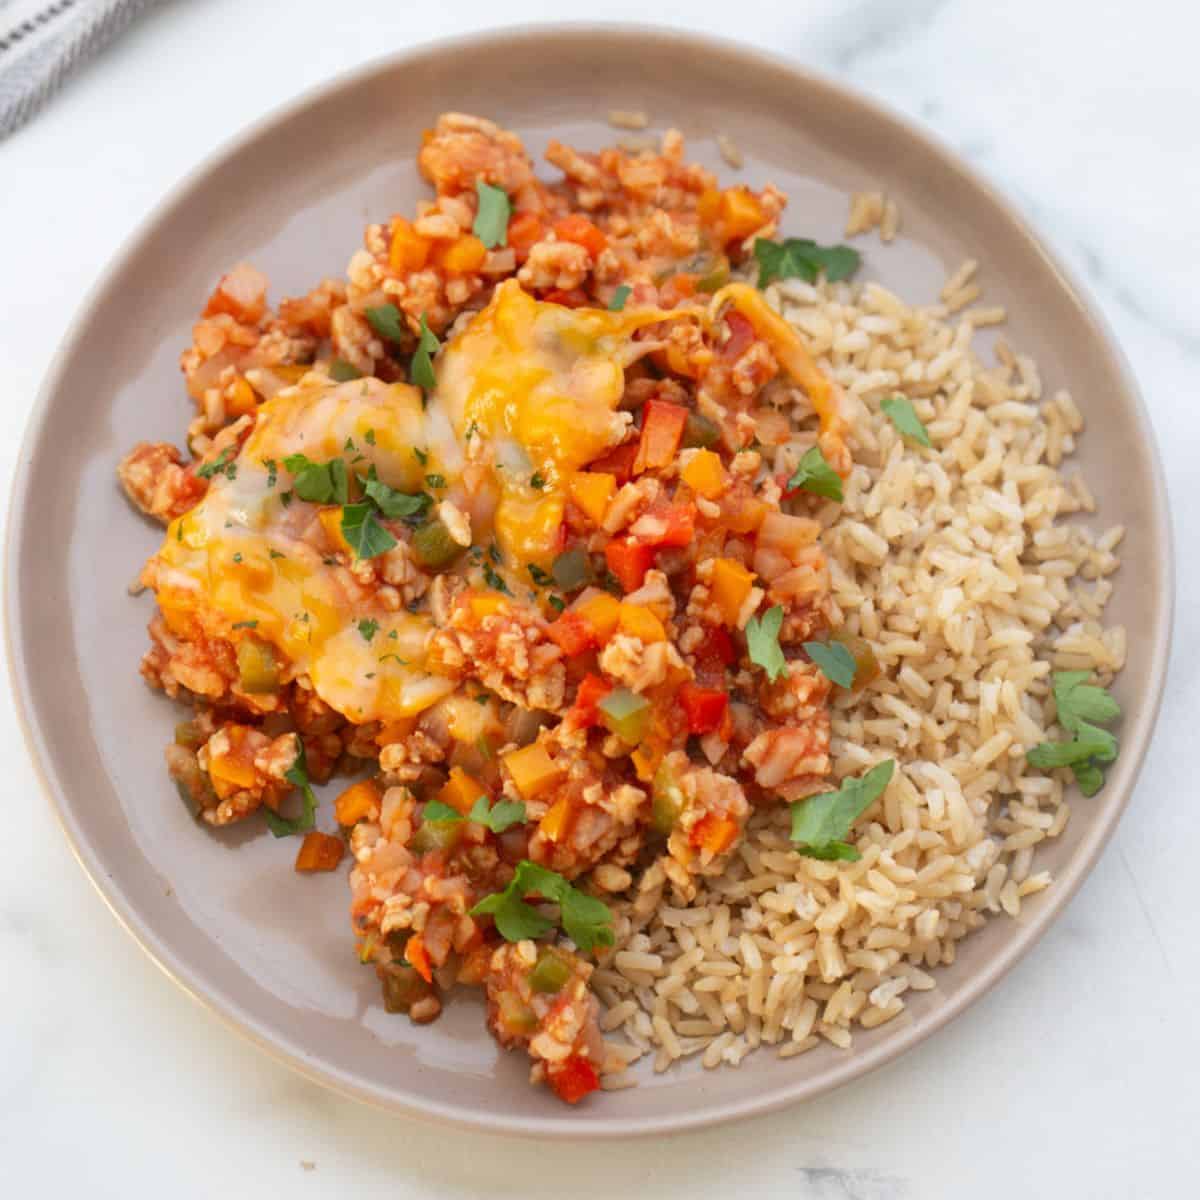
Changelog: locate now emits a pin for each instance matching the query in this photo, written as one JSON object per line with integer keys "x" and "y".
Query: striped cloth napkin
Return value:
{"x": 43, "y": 41}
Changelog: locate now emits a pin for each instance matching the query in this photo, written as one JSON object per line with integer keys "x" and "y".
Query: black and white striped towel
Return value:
{"x": 43, "y": 41}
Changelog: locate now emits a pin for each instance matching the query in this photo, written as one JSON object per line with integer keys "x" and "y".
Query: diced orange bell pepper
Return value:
{"x": 582, "y": 232}
{"x": 574, "y": 1079}
{"x": 591, "y": 491}
{"x": 628, "y": 561}
{"x": 592, "y": 689}
{"x": 714, "y": 832}
{"x": 357, "y": 802}
{"x": 532, "y": 770}
{"x": 677, "y": 288}
{"x": 641, "y": 623}
{"x": 662, "y": 429}
{"x": 331, "y": 522}
{"x": 704, "y": 707}
{"x": 319, "y": 852}
{"x": 461, "y": 791}
{"x": 418, "y": 956}
{"x": 730, "y": 584}
{"x": 524, "y": 230}
{"x": 487, "y": 604}
{"x": 242, "y": 401}
{"x": 557, "y": 821}
{"x": 741, "y": 213}
{"x": 705, "y": 474}
{"x": 463, "y": 255}
{"x": 234, "y": 766}
{"x": 572, "y": 634}
{"x": 602, "y": 611}
{"x": 409, "y": 251}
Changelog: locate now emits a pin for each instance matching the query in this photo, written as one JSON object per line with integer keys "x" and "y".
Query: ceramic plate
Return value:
{"x": 225, "y": 915}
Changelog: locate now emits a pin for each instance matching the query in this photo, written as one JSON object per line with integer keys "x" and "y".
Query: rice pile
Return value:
{"x": 959, "y": 567}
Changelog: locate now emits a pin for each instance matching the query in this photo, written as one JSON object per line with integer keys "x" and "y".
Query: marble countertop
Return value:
{"x": 1075, "y": 1077}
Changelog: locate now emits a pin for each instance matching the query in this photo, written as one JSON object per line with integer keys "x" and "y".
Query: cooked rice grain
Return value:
{"x": 957, "y": 564}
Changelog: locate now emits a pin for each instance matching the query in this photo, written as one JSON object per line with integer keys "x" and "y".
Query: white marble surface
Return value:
{"x": 1076, "y": 1077}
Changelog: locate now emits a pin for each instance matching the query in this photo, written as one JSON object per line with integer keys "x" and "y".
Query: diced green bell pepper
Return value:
{"x": 626, "y": 714}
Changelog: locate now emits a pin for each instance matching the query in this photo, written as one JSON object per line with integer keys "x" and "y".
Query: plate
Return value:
{"x": 224, "y": 914}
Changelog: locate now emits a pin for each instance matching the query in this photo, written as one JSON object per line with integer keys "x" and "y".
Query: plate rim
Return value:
{"x": 410, "y": 1101}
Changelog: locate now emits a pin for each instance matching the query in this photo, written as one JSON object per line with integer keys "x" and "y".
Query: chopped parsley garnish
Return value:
{"x": 815, "y": 475}
{"x": 900, "y": 411}
{"x": 494, "y": 580}
{"x": 340, "y": 371}
{"x": 1080, "y": 704}
{"x": 407, "y": 506}
{"x": 540, "y": 577}
{"x": 504, "y": 814}
{"x": 803, "y": 258}
{"x": 820, "y": 824}
{"x": 244, "y": 625}
{"x": 319, "y": 483}
{"x": 762, "y": 640}
{"x": 369, "y": 437}
{"x": 617, "y": 303}
{"x": 386, "y": 322}
{"x": 363, "y": 532}
{"x": 237, "y": 558}
{"x": 586, "y": 920}
{"x": 402, "y": 661}
{"x": 223, "y": 464}
{"x": 277, "y": 554}
{"x": 436, "y": 481}
{"x": 272, "y": 471}
{"x": 491, "y": 219}
{"x": 556, "y": 602}
{"x": 368, "y": 628}
{"x": 420, "y": 455}
{"x": 420, "y": 370}
{"x": 537, "y": 481}
{"x": 297, "y": 775}
{"x": 495, "y": 555}
{"x": 835, "y": 662}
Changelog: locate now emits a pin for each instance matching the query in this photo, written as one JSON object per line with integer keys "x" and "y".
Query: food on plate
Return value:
{"x": 686, "y": 617}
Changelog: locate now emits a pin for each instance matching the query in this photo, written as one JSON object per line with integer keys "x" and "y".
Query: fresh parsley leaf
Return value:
{"x": 386, "y": 322}
{"x": 815, "y": 475}
{"x": 804, "y": 259}
{"x": 762, "y": 640}
{"x": 494, "y": 580}
{"x": 617, "y": 303}
{"x": 436, "y": 810}
{"x": 368, "y": 627}
{"x": 363, "y": 532}
{"x": 319, "y": 483}
{"x": 340, "y": 371}
{"x": 836, "y": 663}
{"x": 1089, "y": 777}
{"x": 397, "y": 505}
{"x": 1079, "y": 701}
{"x": 900, "y": 411}
{"x": 586, "y": 920}
{"x": 420, "y": 370}
{"x": 223, "y": 464}
{"x": 1088, "y": 743}
{"x": 491, "y": 220}
{"x": 820, "y": 824}
{"x": 297, "y": 775}
{"x": 502, "y": 815}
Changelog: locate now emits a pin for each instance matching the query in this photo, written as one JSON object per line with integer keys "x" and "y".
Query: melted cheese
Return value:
{"x": 527, "y": 389}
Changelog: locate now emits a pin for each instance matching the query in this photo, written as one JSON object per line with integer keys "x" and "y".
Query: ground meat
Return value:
{"x": 154, "y": 477}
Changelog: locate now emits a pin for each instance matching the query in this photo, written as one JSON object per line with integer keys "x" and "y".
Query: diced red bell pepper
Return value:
{"x": 628, "y": 561}
{"x": 680, "y": 525}
{"x": 662, "y": 431}
{"x": 574, "y": 1079}
{"x": 572, "y": 634}
{"x": 741, "y": 336}
{"x": 524, "y": 229}
{"x": 618, "y": 462}
{"x": 714, "y": 832}
{"x": 575, "y": 298}
{"x": 418, "y": 956}
{"x": 704, "y": 707}
{"x": 582, "y": 232}
{"x": 592, "y": 689}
